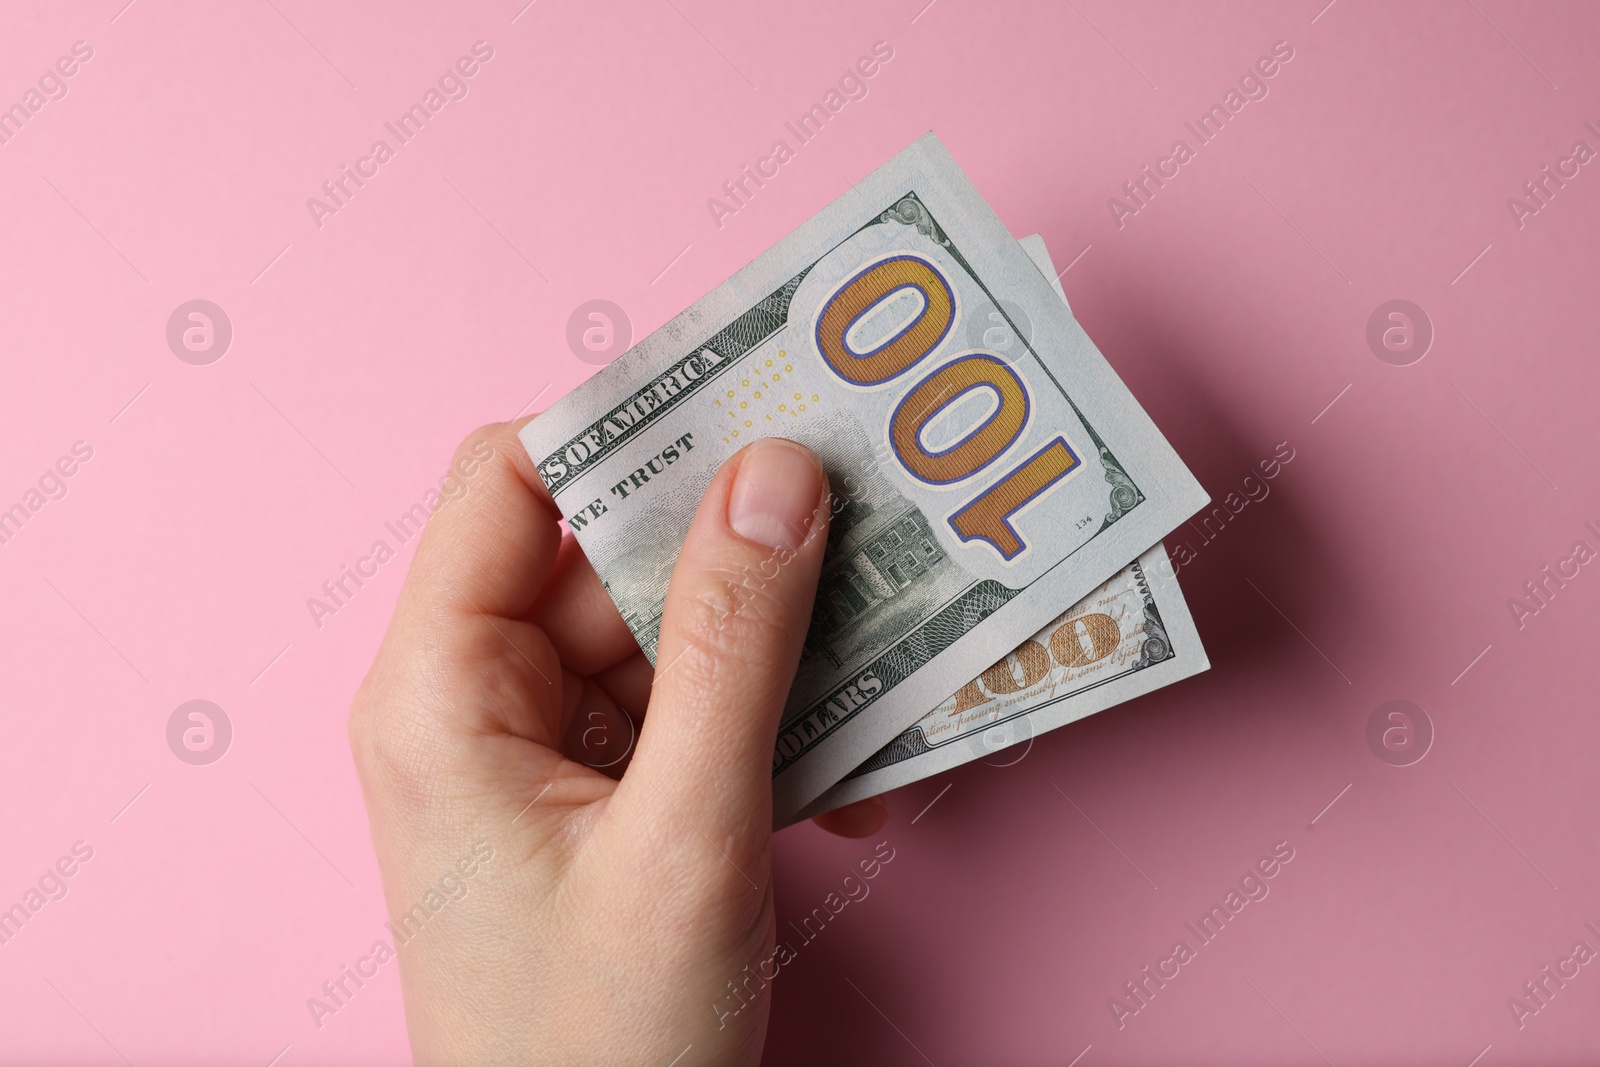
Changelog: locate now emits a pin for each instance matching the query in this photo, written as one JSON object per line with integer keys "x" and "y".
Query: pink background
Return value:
{"x": 1234, "y": 305}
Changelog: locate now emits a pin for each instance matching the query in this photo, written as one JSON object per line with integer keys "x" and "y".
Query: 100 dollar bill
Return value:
{"x": 977, "y": 491}
{"x": 1131, "y": 636}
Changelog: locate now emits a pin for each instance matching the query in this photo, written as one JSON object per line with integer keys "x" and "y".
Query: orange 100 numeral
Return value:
{"x": 987, "y": 517}
{"x": 1076, "y": 643}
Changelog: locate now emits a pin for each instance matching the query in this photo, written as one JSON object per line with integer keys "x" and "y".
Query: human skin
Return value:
{"x": 618, "y": 902}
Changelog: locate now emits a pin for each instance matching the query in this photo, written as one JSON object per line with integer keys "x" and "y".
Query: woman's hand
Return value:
{"x": 611, "y": 913}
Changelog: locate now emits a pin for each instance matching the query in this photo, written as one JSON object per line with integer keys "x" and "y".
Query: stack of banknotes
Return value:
{"x": 994, "y": 566}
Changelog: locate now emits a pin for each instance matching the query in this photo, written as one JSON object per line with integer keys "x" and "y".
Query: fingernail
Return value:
{"x": 775, "y": 493}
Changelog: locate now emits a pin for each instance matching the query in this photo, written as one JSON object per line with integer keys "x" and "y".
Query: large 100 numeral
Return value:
{"x": 987, "y": 517}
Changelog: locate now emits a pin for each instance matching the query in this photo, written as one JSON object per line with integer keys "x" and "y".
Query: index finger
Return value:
{"x": 492, "y": 539}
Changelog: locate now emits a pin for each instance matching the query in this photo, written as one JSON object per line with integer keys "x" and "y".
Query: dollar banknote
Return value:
{"x": 1129, "y": 637}
{"x": 976, "y": 491}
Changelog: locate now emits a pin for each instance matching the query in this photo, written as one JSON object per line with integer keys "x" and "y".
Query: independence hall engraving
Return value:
{"x": 882, "y": 554}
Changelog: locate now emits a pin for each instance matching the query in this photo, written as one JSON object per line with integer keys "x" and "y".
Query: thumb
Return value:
{"x": 731, "y": 633}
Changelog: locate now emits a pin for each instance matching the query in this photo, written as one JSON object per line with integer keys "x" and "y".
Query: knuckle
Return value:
{"x": 395, "y": 750}
{"x": 735, "y": 613}
{"x": 731, "y": 639}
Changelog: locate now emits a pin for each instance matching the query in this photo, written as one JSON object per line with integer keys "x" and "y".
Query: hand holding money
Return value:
{"x": 955, "y": 495}
{"x": 602, "y": 918}
{"x": 978, "y": 492}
